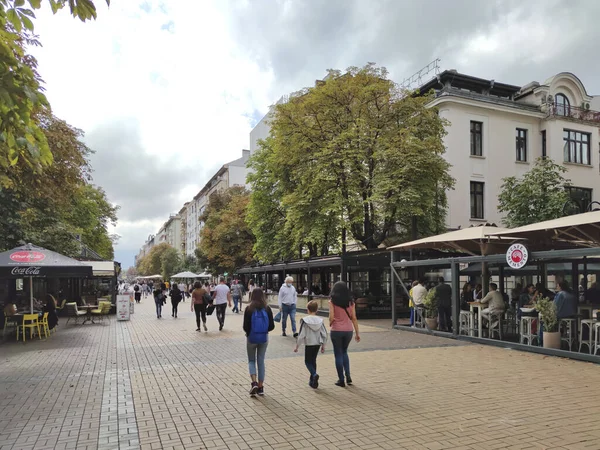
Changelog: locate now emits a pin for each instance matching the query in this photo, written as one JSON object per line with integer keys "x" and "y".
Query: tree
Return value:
{"x": 352, "y": 158}
{"x": 190, "y": 263}
{"x": 226, "y": 241}
{"x": 131, "y": 273}
{"x": 21, "y": 92}
{"x": 151, "y": 264}
{"x": 170, "y": 262}
{"x": 538, "y": 195}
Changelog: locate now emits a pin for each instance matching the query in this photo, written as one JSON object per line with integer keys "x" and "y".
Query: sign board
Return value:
{"x": 123, "y": 307}
{"x": 131, "y": 303}
{"x": 517, "y": 256}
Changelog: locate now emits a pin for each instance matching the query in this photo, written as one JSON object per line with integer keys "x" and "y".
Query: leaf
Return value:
{"x": 12, "y": 16}
{"x": 36, "y": 4}
{"x": 19, "y": 3}
{"x": 27, "y": 22}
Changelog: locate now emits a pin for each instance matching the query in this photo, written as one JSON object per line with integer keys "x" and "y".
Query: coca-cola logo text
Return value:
{"x": 27, "y": 257}
{"x": 25, "y": 271}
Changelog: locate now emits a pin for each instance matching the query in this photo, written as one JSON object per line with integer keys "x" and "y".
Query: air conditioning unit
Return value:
{"x": 585, "y": 105}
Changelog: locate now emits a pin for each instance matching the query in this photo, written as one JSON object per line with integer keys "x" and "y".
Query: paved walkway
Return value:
{"x": 159, "y": 384}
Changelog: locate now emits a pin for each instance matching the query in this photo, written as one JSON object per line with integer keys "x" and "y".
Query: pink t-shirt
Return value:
{"x": 341, "y": 319}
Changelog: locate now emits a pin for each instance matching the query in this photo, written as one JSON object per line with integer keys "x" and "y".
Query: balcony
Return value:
{"x": 574, "y": 113}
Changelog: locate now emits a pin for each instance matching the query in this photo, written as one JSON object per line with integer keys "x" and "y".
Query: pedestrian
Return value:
{"x": 222, "y": 298}
{"x": 200, "y": 300}
{"x": 136, "y": 293}
{"x": 237, "y": 290}
{"x": 287, "y": 299}
{"x": 183, "y": 290}
{"x": 258, "y": 322}
{"x": 159, "y": 299}
{"x": 342, "y": 319}
{"x": 176, "y": 297}
{"x": 313, "y": 335}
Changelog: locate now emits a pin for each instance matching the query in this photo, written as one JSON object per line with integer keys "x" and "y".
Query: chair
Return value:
{"x": 59, "y": 309}
{"x": 9, "y": 320}
{"x": 32, "y": 322}
{"x": 73, "y": 312}
{"x": 495, "y": 324}
{"x": 103, "y": 310}
{"x": 44, "y": 325}
{"x": 597, "y": 341}
{"x": 525, "y": 330}
{"x": 510, "y": 324}
{"x": 568, "y": 332}
{"x": 465, "y": 320}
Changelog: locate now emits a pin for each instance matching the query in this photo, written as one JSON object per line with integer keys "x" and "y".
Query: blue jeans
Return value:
{"x": 158, "y": 308}
{"x": 256, "y": 356}
{"x": 341, "y": 341}
{"x": 236, "y": 300}
{"x": 285, "y": 311}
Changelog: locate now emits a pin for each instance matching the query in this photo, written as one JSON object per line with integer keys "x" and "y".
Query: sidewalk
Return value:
{"x": 159, "y": 384}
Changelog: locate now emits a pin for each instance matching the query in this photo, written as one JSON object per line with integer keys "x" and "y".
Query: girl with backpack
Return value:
{"x": 258, "y": 322}
{"x": 176, "y": 297}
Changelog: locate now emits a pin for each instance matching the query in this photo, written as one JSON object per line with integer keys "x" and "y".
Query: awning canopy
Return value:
{"x": 33, "y": 261}
{"x": 472, "y": 240}
{"x": 185, "y": 275}
{"x": 102, "y": 268}
{"x": 532, "y": 269}
{"x": 579, "y": 230}
{"x": 148, "y": 277}
{"x": 204, "y": 275}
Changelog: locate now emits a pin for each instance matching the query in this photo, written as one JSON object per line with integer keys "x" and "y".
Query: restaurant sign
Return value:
{"x": 517, "y": 256}
{"x": 27, "y": 257}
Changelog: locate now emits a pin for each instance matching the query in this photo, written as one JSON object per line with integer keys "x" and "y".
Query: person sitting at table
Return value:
{"x": 565, "y": 301}
{"x": 526, "y": 298}
{"x": 495, "y": 303}
{"x": 477, "y": 292}
{"x": 541, "y": 292}
{"x": 592, "y": 295}
{"x": 466, "y": 296}
{"x": 50, "y": 308}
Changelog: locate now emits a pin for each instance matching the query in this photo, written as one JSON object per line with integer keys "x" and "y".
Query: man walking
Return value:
{"x": 287, "y": 299}
{"x": 222, "y": 297}
{"x": 237, "y": 291}
{"x": 443, "y": 294}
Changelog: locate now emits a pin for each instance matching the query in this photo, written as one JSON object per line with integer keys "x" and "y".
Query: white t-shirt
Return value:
{"x": 221, "y": 292}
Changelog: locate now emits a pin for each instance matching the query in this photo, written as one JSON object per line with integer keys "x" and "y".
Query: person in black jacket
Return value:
{"x": 176, "y": 297}
{"x": 443, "y": 294}
{"x": 257, "y": 330}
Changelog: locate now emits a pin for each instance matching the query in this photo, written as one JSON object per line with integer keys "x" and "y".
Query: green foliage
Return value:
{"x": 21, "y": 92}
{"x": 151, "y": 264}
{"x": 547, "y": 310}
{"x": 352, "y": 155}
{"x": 190, "y": 263}
{"x": 170, "y": 262}
{"x": 430, "y": 303}
{"x": 538, "y": 195}
{"x": 226, "y": 241}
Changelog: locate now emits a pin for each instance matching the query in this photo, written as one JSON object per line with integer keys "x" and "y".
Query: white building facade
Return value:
{"x": 497, "y": 130}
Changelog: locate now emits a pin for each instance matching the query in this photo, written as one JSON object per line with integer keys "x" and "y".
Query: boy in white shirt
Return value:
{"x": 313, "y": 335}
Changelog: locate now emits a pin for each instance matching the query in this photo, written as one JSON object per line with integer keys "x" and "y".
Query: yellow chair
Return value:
{"x": 103, "y": 310}
{"x": 44, "y": 325}
{"x": 32, "y": 322}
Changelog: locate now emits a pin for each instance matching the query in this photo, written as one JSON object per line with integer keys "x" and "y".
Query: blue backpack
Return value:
{"x": 259, "y": 328}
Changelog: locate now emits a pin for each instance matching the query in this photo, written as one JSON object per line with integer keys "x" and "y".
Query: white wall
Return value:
{"x": 237, "y": 176}
{"x": 260, "y": 131}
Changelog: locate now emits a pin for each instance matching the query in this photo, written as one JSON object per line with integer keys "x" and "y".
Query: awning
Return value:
{"x": 531, "y": 269}
{"x": 579, "y": 230}
{"x": 32, "y": 261}
{"x": 472, "y": 240}
{"x": 102, "y": 268}
{"x": 185, "y": 275}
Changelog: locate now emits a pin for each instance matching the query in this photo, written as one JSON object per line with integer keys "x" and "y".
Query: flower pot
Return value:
{"x": 552, "y": 339}
{"x": 432, "y": 323}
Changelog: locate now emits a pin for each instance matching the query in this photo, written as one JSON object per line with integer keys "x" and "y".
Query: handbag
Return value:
{"x": 206, "y": 298}
{"x": 277, "y": 317}
{"x": 210, "y": 309}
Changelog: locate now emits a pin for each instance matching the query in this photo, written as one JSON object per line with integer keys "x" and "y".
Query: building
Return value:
{"x": 183, "y": 214}
{"x": 262, "y": 129}
{"x": 498, "y": 130}
{"x": 233, "y": 173}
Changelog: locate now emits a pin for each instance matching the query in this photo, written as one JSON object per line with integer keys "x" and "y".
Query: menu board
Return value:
{"x": 123, "y": 307}
{"x": 131, "y": 303}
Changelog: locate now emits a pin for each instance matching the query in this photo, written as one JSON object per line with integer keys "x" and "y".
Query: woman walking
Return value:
{"x": 342, "y": 320}
{"x": 258, "y": 322}
{"x": 159, "y": 299}
{"x": 176, "y": 297}
{"x": 199, "y": 296}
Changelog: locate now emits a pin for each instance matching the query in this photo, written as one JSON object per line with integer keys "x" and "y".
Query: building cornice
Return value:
{"x": 517, "y": 109}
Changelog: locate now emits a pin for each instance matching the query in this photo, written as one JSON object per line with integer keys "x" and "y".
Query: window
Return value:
{"x": 577, "y": 147}
{"x": 543, "y": 143}
{"x": 580, "y": 198}
{"x": 476, "y": 138}
{"x": 563, "y": 106}
{"x": 476, "y": 200}
{"x": 521, "y": 144}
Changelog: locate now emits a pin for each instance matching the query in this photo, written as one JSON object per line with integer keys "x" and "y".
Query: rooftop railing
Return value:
{"x": 572, "y": 112}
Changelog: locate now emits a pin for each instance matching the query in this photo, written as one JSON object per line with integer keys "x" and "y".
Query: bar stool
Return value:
{"x": 597, "y": 340}
{"x": 525, "y": 327}
{"x": 495, "y": 317}
{"x": 589, "y": 323}
{"x": 510, "y": 321}
{"x": 466, "y": 321}
{"x": 419, "y": 317}
{"x": 568, "y": 332}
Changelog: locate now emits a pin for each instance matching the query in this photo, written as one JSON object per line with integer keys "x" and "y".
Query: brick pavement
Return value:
{"x": 159, "y": 384}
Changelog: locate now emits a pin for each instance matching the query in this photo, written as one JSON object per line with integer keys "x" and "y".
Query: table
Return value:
{"x": 88, "y": 316}
{"x": 479, "y": 306}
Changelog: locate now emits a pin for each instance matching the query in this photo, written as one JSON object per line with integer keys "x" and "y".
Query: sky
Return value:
{"x": 168, "y": 91}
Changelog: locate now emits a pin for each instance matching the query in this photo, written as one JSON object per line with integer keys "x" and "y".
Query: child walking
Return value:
{"x": 313, "y": 335}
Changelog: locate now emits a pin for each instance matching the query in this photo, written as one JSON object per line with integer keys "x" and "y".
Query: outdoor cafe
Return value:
{"x": 530, "y": 288}
{"x": 37, "y": 286}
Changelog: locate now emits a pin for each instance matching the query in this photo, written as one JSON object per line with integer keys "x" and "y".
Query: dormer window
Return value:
{"x": 563, "y": 106}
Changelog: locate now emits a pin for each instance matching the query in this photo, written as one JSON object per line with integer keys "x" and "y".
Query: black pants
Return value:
{"x": 175, "y": 305}
{"x": 220, "y": 310}
{"x": 310, "y": 358}
{"x": 445, "y": 313}
{"x": 200, "y": 310}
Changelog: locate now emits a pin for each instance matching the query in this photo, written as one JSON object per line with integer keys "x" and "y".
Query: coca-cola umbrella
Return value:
{"x": 30, "y": 261}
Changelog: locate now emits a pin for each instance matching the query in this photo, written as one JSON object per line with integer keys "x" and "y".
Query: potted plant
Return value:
{"x": 547, "y": 310}
{"x": 430, "y": 304}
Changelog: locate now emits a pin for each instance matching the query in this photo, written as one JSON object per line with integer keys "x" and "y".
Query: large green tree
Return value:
{"x": 352, "y": 159}
{"x": 226, "y": 241}
{"x": 21, "y": 92}
{"x": 540, "y": 194}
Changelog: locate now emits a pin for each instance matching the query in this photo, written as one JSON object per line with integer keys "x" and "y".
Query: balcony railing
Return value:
{"x": 572, "y": 112}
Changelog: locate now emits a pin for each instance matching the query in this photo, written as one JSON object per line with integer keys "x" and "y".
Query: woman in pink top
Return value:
{"x": 342, "y": 320}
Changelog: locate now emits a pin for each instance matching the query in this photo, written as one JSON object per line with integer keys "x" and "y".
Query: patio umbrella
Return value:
{"x": 185, "y": 275}
{"x": 30, "y": 261}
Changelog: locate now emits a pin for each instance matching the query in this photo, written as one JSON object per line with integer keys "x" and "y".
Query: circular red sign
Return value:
{"x": 27, "y": 257}
{"x": 516, "y": 256}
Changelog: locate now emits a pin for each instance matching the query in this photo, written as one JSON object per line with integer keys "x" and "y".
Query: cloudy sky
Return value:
{"x": 168, "y": 91}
